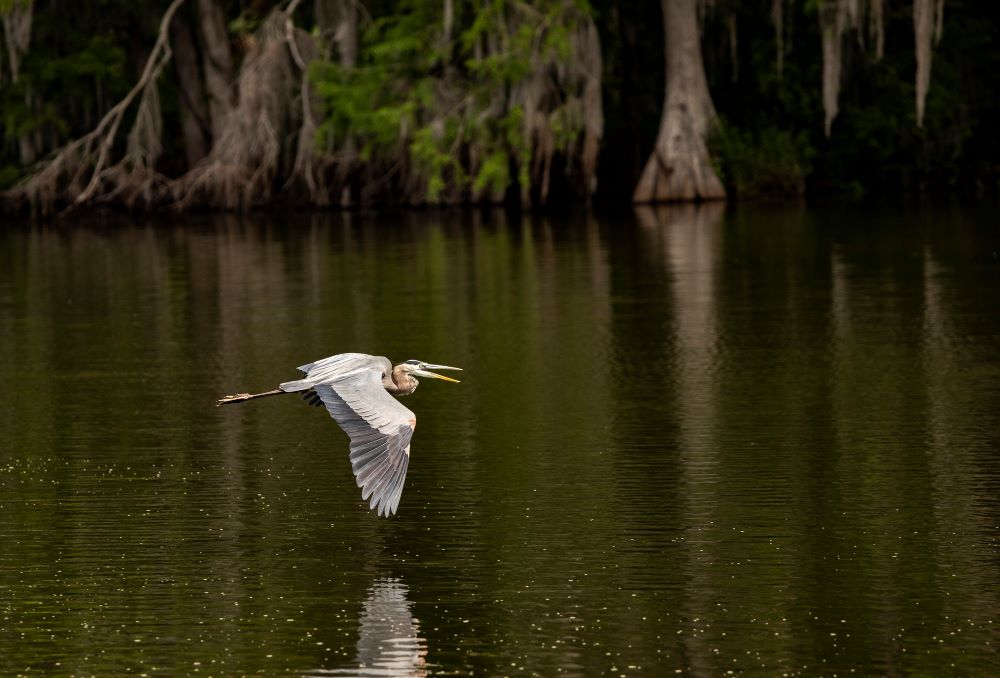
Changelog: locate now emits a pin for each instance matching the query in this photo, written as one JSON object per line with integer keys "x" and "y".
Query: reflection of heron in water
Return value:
{"x": 357, "y": 390}
{"x": 389, "y": 642}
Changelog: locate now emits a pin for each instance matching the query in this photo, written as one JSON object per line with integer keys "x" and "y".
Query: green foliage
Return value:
{"x": 430, "y": 150}
{"x": 76, "y": 67}
{"x": 7, "y": 5}
{"x": 448, "y": 109}
{"x": 494, "y": 173}
{"x": 98, "y": 61}
{"x": 381, "y": 103}
{"x": 442, "y": 118}
{"x": 358, "y": 104}
{"x": 9, "y": 175}
{"x": 566, "y": 122}
{"x": 766, "y": 162}
{"x": 875, "y": 146}
{"x": 100, "y": 57}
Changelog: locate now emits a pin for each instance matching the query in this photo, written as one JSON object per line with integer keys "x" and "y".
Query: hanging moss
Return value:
{"x": 469, "y": 118}
{"x": 439, "y": 102}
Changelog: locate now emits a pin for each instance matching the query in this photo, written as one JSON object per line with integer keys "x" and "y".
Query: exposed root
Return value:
{"x": 134, "y": 181}
{"x": 478, "y": 139}
{"x": 680, "y": 169}
{"x": 239, "y": 171}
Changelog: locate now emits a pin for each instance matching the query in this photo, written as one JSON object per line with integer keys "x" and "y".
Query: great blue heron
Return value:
{"x": 357, "y": 390}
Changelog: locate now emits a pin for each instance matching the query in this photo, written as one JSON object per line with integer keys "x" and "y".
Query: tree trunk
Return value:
{"x": 877, "y": 26}
{"x": 448, "y": 19}
{"x": 194, "y": 118}
{"x": 218, "y": 63}
{"x": 679, "y": 168}
{"x": 17, "y": 36}
{"x": 246, "y": 159}
{"x": 338, "y": 24}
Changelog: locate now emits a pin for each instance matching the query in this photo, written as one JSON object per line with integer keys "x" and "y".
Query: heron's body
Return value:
{"x": 357, "y": 390}
{"x": 396, "y": 380}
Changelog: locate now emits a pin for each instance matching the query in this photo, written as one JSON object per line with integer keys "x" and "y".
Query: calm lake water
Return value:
{"x": 694, "y": 441}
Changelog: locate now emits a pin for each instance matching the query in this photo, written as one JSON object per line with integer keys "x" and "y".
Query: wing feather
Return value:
{"x": 369, "y": 476}
{"x": 380, "y": 427}
{"x": 380, "y": 484}
{"x": 392, "y": 490}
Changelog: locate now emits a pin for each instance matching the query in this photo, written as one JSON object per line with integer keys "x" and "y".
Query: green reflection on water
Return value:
{"x": 698, "y": 440}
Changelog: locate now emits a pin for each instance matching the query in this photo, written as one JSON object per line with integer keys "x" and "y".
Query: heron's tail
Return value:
{"x": 241, "y": 397}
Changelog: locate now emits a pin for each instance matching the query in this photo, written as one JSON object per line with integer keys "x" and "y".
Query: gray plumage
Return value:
{"x": 356, "y": 390}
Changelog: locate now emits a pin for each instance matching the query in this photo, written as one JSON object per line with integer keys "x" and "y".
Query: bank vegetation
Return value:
{"x": 221, "y": 104}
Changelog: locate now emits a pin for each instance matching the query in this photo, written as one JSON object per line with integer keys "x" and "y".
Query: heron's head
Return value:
{"x": 418, "y": 368}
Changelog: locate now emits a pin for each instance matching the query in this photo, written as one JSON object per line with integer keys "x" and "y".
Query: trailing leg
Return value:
{"x": 241, "y": 397}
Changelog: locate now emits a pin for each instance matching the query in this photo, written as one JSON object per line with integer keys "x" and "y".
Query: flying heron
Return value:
{"x": 357, "y": 390}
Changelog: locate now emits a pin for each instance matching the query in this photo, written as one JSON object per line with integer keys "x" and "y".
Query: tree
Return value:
{"x": 679, "y": 168}
{"x": 346, "y": 102}
{"x": 338, "y": 26}
{"x": 447, "y": 104}
{"x": 16, "y": 17}
{"x": 218, "y": 63}
{"x": 196, "y": 125}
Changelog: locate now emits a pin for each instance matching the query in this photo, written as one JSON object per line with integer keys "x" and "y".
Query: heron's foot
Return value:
{"x": 232, "y": 398}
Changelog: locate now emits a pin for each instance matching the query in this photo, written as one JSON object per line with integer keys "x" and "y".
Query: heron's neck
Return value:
{"x": 400, "y": 382}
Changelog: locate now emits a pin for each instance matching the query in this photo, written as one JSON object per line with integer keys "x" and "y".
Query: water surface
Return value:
{"x": 695, "y": 441}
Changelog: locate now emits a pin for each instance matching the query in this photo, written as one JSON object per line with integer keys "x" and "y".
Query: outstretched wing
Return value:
{"x": 335, "y": 366}
{"x": 380, "y": 428}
